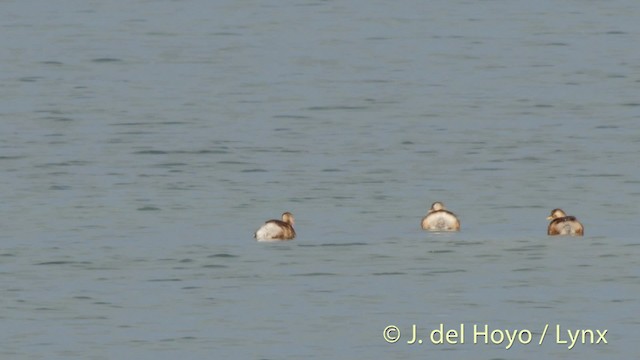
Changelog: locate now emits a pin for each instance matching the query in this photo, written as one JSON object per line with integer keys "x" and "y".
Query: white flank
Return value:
{"x": 268, "y": 232}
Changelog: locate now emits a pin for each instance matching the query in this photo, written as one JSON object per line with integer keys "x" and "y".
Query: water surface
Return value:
{"x": 144, "y": 142}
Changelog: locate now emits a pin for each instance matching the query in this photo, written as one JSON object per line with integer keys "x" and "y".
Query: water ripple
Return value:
{"x": 316, "y": 274}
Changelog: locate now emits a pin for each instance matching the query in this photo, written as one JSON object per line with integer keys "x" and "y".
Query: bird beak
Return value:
{"x": 549, "y": 217}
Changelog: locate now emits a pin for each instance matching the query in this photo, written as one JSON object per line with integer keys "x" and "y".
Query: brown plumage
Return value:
{"x": 277, "y": 229}
{"x": 562, "y": 224}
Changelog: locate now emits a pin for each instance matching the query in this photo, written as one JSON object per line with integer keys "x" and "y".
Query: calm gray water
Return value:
{"x": 143, "y": 142}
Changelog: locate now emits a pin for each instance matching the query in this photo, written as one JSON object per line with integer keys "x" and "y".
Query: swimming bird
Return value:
{"x": 440, "y": 219}
{"x": 277, "y": 229}
{"x": 562, "y": 224}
